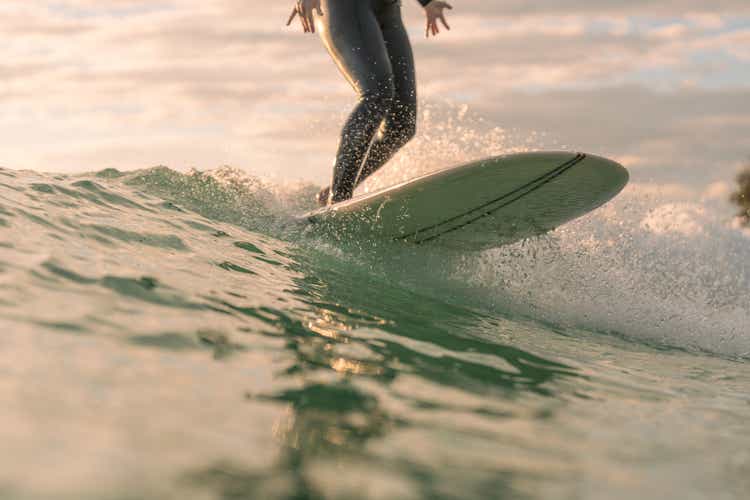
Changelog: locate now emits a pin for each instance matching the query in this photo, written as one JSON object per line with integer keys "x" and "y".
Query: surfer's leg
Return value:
{"x": 352, "y": 34}
{"x": 400, "y": 124}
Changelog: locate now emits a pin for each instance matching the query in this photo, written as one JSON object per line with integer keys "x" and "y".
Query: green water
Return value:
{"x": 168, "y": 336}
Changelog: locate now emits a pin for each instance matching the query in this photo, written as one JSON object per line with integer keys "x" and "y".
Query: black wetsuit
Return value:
{"x": 368, "y": 42}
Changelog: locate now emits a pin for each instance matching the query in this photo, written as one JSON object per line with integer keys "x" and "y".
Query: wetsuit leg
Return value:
{"x": 400, "y": 123}
{"x": 354, "y": 32}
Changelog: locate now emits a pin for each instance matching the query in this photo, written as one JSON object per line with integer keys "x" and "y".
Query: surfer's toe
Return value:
{"x": 323, "y": 195}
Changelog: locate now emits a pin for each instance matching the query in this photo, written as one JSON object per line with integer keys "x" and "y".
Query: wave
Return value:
{"x": 654, "y": 265}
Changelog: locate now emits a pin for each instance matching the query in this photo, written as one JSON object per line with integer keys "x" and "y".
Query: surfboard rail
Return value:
{"x": 483, "y": 204}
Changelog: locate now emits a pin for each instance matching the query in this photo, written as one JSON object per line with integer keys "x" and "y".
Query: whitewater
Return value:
{"x": 173, "y": 334}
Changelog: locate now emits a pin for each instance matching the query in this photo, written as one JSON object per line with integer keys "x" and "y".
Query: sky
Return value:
{"x": 663, "y": 87}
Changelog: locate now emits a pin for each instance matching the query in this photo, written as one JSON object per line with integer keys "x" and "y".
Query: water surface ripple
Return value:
{"x": 167, "y": 335}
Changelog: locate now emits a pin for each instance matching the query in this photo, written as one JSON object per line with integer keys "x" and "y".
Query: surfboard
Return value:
{"x": 484, "y": 204}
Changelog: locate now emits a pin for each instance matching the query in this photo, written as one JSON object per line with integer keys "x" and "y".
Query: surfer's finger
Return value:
{"x": 445, "y": 23}
{"x": 427, "y": 30}
{"x": 311, "y": 22}
{"x": 301, "y": 16}
{"x": 309, "y": 17}
{"x": 291, "y": 17}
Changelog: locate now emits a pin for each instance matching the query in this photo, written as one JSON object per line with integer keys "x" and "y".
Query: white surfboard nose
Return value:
{"x": 614, "y": 173}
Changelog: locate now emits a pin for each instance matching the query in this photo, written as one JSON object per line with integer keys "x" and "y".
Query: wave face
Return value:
{"x": 169, "y": 335}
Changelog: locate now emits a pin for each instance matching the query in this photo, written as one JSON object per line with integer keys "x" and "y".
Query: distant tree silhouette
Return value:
{"x": 742, "y": 196}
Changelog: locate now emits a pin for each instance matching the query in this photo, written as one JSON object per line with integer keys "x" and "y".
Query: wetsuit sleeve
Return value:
{"x": 424, "y": 2}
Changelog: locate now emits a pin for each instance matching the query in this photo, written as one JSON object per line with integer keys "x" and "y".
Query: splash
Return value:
{"x": 449, "y": 135}
{"x": 662, "y": 271}
{"x": 228, "y": 194}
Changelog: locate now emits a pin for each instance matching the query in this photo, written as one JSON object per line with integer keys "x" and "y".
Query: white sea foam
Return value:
{"x": 663, "y": 269}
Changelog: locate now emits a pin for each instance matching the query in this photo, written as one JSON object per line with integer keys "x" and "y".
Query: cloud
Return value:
{"x": 128, "y": 83}
{"x": 645, "y": 8}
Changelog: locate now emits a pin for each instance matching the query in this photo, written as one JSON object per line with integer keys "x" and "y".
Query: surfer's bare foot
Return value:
{"x": 323, "y": 195}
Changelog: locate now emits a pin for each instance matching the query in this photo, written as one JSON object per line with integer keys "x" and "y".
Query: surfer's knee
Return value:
{"x": 380, "y": 97}
{"x": 403, "y": 124}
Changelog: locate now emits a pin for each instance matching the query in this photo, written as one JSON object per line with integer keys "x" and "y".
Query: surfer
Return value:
{"x": 369, "y": 44}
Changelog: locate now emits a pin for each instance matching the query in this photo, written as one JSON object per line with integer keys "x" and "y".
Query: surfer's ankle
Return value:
{"x": 323, "y": 195}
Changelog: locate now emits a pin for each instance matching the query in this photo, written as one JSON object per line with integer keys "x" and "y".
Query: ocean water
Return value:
{"x": 172, "y": 335}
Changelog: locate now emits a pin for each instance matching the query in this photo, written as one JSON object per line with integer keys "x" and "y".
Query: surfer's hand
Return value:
{"x": 304, "y": 9}
{"x": 434, "y": 12}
